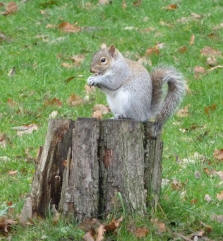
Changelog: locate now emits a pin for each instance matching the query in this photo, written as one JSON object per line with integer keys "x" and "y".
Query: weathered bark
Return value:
{"x": 91, "y": 168}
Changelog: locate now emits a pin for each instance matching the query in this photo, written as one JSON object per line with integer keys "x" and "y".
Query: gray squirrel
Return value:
{"x": 131, "y": 91}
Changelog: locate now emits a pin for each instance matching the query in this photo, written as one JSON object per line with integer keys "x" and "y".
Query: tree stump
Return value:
{"x": 93, "y": 168}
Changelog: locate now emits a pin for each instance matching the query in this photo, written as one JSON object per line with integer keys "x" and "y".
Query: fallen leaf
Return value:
{"x": 13, "y": 172}
{"x": 144, "y": 61}
{"x": 171, "y": 7}
{"x": 97, "y": 115}
{"x": 89, "y": 224}
{"x": 192, "y": 39}
{"x": 11, "y": 102}
{"x": 78, "y": 59}
{"x": 102, "y": 108}
{"x": 5, "y": 223}
{"x": 89, "y": 89}
{"x": 207, "y": 198}
{"x": 69, "y": 79}
{"x": 212, "y": 61}
{"x": 210, "y": 108}
{"x": 184, "y": 112}
{"x": 160, "y": 226}
{"x": 25, "y": 129}
{"x": 3, "y": 140}
{"x": 153, "y": 50}
{"x": 88, "y": 237}
{"x": 141, "y": 232}
{"x": 220, "y": 196}
{"x": 11, "y": 8}
{"x": 103, "y": 2}
{"x": 196, "y": 16}
{"x": 113, "y": 225}
{"x": 176, "y": 185}
{"x": 69, "y": 28}
{"x": 198, "y": 70}
{"x": 67, "y": 65}
{"x": 26, "y": 213}
{"x": 100, "y": 233}
{"x": 182, "y": 49}
{"x": 54, "y": 101}
{"x": 137, "y": 3}
{"x": 124, "y": 5}
{"x": 51, "y": 26}
{"x": 74, "y": 100}
{"x": 193, "y": 201}
{"x": 208, "y": 51}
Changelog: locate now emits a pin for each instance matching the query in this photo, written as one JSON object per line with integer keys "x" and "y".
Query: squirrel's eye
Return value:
{"x": 103, "y": 59}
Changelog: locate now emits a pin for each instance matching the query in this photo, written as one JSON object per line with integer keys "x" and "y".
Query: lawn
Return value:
{"x": 45, "y": 53}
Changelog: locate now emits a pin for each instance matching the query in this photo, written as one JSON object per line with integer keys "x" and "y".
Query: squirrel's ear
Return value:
{"x": 112, "y": 50}
{"x": 103, "y": 46}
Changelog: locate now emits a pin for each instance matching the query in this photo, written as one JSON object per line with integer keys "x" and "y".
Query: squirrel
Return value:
{"x": 131, "y": 91}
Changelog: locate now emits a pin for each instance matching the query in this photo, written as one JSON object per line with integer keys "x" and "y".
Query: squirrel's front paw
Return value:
{"x": 91, "y": 81}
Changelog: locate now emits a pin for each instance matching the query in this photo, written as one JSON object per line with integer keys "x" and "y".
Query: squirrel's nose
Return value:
{"x": 92, "y": 70}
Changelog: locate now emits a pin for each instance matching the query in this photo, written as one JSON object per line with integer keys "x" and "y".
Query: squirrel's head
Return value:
{"x": 103, "y": 59}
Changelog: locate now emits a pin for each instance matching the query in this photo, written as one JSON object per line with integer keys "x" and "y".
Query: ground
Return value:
{"x": 46, "y": 48}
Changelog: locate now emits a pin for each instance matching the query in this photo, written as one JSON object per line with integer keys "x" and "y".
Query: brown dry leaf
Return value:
{"x": 124, "y": 5}
{"x": 113, "y": 225}
{"x": 88, "y": 236}
{"x": 141, "y": 232}
{"x": 144, "y": 61}
{"x": 176, "y": 185}
{"x": 102, "y": 108}
{"x": 89, "y": 224}
{"x": 25, "y": 129}
{"x": 137, "y": 3}
{"x": 160, "y": 226}
{"x": 100, "y": 233}
{"x": 153, "y": 50}
{"x": 97, "y": 115}
{"x": 5, "y": 223}
{"x": 198, "y": 70}
{"x": 210, "y": 108}
{"x": 54, "y": 101}
{"x": 212, "y": 61}
{"x": 220, "y": 196}
{"x": 182, "y": 49}
{"x": 192, "y": 39}
{"x": 69, "y": 79}
{"x": 26, "y": 213}
{"x": 78, "y": 59}
{"x": 12, "y": 172}
{"x": 11, "y": 8}
{"x": 3, "y": 140}
{"x": 218, "y": 154}
{"x": 11, "y": 102}
{"x": 67, "y": 65}
{"x": 208, "y": 51}
{"x": 215, "y": 67}
{"x": 69, "y": 28}
{"x": 51, "y": 26}
{"x": 184, "y": 112}
{"x": 89, "y": 89}
{"x": 74, "y": 100}
{"x": 171, "y": 7}
{"x": 103, "y": 2}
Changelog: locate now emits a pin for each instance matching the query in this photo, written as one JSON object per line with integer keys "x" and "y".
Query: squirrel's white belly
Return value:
{"x": 118, "y": 102}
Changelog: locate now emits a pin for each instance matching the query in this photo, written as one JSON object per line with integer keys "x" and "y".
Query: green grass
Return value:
{"x": 33, "y": 50}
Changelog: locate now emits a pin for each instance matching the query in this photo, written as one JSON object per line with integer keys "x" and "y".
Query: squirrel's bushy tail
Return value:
{"x": 175, "y": 93}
